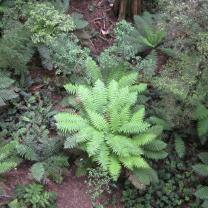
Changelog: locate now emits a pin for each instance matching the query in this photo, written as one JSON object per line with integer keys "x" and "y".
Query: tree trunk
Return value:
{"x": 127, "y": 8}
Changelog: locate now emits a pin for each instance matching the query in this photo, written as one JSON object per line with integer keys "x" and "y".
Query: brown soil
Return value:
{"x": 71, "y": 193}
{"x": 101, "y": 19}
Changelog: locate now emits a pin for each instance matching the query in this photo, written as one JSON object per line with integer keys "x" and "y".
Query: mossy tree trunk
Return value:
{"x": 127, "y": 8}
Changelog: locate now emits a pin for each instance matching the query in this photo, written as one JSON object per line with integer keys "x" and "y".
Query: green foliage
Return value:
{"x": 16, "y": 50}
{"x": 108, "y": 130}
{"x": 202, "y": 169}
{"x": 36, "y": 144}
{"x": 174, "y": 188}
{"x": 8, "y": 157}
{"x": 7, "y": 92}
{"x": 67, "y": 56}
{"x": 146, "y": 34}
{"x": 181, "y": 86}
{"x": 33, "y": 195}
{"x": 45, "y": 23}
{"x": 98, "y": 182}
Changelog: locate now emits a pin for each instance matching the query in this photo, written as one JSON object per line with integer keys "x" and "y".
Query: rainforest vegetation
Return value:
{"x": 104, "y": 104}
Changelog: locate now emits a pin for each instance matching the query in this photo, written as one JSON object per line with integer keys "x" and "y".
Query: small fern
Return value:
{"x": 111, "y": 133}
{"x": 146, "y": 34}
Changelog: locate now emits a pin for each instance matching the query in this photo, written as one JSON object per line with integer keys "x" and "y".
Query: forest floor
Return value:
{"x": 72, "y": 192}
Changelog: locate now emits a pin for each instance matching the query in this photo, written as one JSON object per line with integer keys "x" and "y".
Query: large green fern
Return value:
{"x": 109, "y": 130}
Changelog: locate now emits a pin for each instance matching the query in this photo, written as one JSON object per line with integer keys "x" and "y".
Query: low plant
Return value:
{"x": 98, "y": 183}
{"x": 36, "y": 145}
{"x": 33, "y": 195}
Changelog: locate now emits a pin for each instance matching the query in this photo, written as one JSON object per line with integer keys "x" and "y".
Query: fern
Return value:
{"x": 146, "y": 34}
{"x": 107, "y": 128}
{"x": 16, "y": 50}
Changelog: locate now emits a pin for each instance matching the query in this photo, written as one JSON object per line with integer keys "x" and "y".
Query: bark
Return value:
{"x": 127, "y": 8}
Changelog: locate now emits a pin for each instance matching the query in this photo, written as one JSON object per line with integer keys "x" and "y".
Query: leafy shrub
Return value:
{"x": 67, "y": 56}
{"x": 45, "y": 23}
{"x": 108, "y": 130}
{"x": 33, "y": 195}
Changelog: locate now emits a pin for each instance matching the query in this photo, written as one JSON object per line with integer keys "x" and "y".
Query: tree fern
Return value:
{"x": 111, "y": 133}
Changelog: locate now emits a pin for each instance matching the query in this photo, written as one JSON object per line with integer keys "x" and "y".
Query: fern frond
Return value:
{"x": 97, "y": 120}
{"x": 201, "y": 169}
{"x": 92, "y": 70}
{"x": 134, "y": 162}
{"x": 114, "y": 168}
{"x": 71, "y": 89}
{"x": 155, "y": 155}
{"x": 38, "y": 171}
{"x": 128, "y": 80}
{"x": 202, "y": 193}
{"x": 180, "y": 146}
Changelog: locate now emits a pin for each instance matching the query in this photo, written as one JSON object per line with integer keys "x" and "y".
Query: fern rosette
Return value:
{"x": 109, "y": 130}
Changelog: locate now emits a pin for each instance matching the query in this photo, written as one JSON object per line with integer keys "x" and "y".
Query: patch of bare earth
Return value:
{"x": 101, "y": 19}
